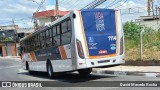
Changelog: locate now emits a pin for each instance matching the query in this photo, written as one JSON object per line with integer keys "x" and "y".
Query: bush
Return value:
{"x": 151, "y": 42}
{"x": 131, "y": 30}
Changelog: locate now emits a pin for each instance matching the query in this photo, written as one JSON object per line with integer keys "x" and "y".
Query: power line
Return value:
{"x": 94, "y": 4}
{"x": 40, "y": 5}
{"x": 75, "y": 4}
{"x": 111, "y": 4}
{"x": 65, "y": 3}
{"x": 121, "y": 4}
{"x": 16, "y": 20}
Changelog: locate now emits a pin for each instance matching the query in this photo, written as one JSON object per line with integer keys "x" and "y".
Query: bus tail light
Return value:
{"x": 121, "y": 46}
{"x": 80, "y": 49}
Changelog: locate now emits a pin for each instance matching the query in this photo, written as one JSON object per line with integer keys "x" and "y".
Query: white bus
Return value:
{"x": 78, "y": 41}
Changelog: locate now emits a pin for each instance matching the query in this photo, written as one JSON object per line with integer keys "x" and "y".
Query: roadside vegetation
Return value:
{"x": 151, "y": 42}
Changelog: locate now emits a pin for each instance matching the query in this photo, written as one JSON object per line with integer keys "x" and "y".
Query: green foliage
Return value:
{"x": 131, "y": 30}
{"x": 151, "y": 41}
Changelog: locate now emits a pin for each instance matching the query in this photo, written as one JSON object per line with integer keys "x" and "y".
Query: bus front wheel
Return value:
{"x": 85, "y": 72}
{"x": 27, "y": 68}
{"x": 50, "y": 70}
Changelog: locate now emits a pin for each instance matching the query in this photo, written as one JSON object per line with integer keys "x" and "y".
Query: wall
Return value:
{"x": 42, "y": 21}
{"x": 4, "y": 50}
{"x": 13, "y": 49}
{"x": 152, "y": 24}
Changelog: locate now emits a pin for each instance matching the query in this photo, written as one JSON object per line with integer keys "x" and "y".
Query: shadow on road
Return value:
{"x": 68, "y": 77}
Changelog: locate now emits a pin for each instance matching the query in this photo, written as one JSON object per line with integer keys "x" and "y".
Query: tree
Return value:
{"x": 131, "y": 30}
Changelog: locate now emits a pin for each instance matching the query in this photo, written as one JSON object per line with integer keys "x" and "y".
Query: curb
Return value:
{"x": 131, "y": 73}
{"x": 143, "y": 63}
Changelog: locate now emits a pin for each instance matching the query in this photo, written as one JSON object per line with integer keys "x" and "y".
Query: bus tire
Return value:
{"x": 50, "y": 70}
{"x": 85, "y": 72}
{"x": 27, "y": 68}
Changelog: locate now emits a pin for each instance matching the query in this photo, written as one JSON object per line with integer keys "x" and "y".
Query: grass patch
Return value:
{"x": 151, "y": 47}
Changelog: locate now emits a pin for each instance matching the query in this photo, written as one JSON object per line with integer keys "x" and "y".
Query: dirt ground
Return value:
{"x": 148, "y": 54}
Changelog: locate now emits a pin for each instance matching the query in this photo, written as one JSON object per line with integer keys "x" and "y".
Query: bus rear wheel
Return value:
{"x": 50, "y": 70}
{"x": 85, "y": 72}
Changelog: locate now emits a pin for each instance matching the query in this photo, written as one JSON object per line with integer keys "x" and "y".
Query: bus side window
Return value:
{"x": 66, "y": 33}
{"x": 41, "y": 40}
{"x": 47, "y": 38}
{"x": 56, "y": 38}
{"x": 54, "y": 30}
{"x": 64, "y": 27}
{"x": 50, "y": 37}
{"x": 69, "y": 28}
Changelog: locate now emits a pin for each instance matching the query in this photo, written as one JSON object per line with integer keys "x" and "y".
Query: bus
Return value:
{"x": 79, "y": 41}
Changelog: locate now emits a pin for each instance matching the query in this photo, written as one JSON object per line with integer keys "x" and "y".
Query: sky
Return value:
{"x": 21, "y": 11}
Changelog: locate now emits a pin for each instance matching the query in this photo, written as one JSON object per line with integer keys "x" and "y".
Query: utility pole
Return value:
{"x": 57, "y": 9}
{"x": 148, "y": 7}
{"x": 141, "y": 43}
{"x": 129, "y": 10}
{"x": 35, "y": 21}
{"x": 153, "y": 9}
{"x": 13, "y": 23}
{"x": 157, "y": 14}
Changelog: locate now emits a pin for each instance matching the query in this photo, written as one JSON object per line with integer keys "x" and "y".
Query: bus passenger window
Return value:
{"x": 54, "y": 31}
{"x": 47, "y": 38}
{"x": 56, "y": 40}
{"x": 66, "y": 38}
{"x": 69, "y": 25}
{"x": 58, "y": 30}
{"x": 64, "y": 27}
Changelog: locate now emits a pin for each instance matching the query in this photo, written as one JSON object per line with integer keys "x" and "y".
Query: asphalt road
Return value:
{"x": 11, "y": 70}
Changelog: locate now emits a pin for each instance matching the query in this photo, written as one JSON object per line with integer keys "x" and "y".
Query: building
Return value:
{"x": 9, "y": 39}
{"x": 8, "y": 43}
{"x": 9, "y": 27}
{"x": 149, "y": 21}
{"x": 46, "y": 17}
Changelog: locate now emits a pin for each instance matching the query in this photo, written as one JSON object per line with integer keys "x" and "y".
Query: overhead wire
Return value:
{"x": 111, "y": 4}
{"x": 75, "y": 4}
{"x": 27, "y": 18}
{"x": 122, "y": 4}
{"x": 115, "y": 3}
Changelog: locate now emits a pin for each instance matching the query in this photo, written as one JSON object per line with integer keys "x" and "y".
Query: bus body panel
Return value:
{"x": 60, "y": 59}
